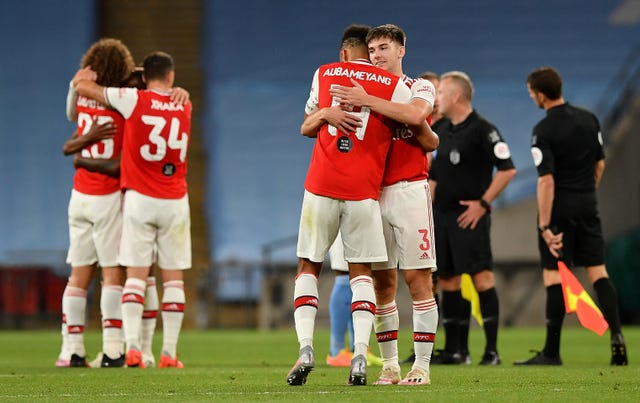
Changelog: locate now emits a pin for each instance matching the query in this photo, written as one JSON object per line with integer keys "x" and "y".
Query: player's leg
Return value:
{"x": 173, "y": 303}
{"x": 319, "y": 224}
{"x": 74, "y": 306}
{"x": 149, "y": 319}
{"x": 111, "y": 310}
{"x": 386, "y": 324}
{"x": 490, "y": 309}
{"x": 340, "y": 321}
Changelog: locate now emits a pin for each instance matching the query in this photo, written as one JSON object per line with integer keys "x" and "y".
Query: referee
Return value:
{"x": 464, "y": 185}
{"x": 567, "y": 150}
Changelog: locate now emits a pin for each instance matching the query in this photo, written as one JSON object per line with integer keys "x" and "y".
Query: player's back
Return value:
{"x": 350, "y": 166}
{"x": 92, "y": 112}
{"x": 154, "y": 157}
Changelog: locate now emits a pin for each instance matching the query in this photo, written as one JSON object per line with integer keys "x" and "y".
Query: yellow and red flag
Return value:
{"x": 470, "y": 293}
{"x": 577, "y": 300}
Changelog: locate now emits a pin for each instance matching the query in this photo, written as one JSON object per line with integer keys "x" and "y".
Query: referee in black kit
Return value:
{"x": 567, "y": 150}
{"x": 463, "y": 185}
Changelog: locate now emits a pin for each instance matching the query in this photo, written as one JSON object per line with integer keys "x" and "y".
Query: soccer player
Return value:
{"x": 341, "y": 193}
{"x": 464, "y": 185}
{"x": 567, "y": 150}
{"x": 94, "y": 211}
{"x": 156, "y": 206}
{"x": 405, "y": 201}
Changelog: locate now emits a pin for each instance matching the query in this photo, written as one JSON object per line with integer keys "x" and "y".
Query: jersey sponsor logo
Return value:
{"x": 363, "y": 306}
{"x": 387, "y": 336}
{"x": 536, "y": 153}
{"x": 306, "y": 300}
{"x": 424, "y": 337}
{"x": 501, "y": 150}
{"x": 402, "y": 132}
{"x": 165, "y": 106}
{"x": 357, "y": 74}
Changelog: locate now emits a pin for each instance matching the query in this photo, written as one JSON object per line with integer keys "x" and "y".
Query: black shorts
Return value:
{"x": 576, "y": 216}
{"x": 462, "y": 250}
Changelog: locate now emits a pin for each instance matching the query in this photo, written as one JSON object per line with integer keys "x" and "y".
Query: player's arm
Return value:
{"x": 427, "y": 138}
{"x": 76, "y": 142}
{"x": 335, "y": 116}
{"x": 545, "y": 195}
{"x": 412, "y": 113}
{"x": 598, "y": 171}
{"x": 107, "y": 167}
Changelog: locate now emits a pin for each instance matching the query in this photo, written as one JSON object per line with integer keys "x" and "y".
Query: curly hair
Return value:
{"x": 111, "y": 60}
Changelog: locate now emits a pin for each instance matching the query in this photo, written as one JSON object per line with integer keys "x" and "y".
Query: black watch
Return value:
{"x": 543, "y": 228}
{"x": 485, "y": 204}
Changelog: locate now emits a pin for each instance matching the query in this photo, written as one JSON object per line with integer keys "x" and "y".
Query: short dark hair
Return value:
{"x": 157, "y": 65}
{"x": 354, "y": 35}
{"x": 111, "y": 60}
{"x": 388, "y": 31}
{"x": 547, "y": 81}
{"x": 429, "y": 75}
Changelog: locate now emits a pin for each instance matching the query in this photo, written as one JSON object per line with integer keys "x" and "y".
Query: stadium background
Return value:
{"x": 248, "y": 66}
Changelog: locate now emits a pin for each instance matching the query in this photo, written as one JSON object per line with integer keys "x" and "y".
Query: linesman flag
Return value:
{"x": 470, "y": 293}
{"x": 577, "y": 300}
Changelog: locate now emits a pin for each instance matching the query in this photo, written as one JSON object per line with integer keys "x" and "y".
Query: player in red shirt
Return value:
{"x": 405, "y": 202}
{"x": 156, "y": 214}
{"x": 94, "y": 211}
{"x": 341, "y": 193}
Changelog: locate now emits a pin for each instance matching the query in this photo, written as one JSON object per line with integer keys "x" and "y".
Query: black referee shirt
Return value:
{"x": 567, "y": 143}
{"x": 465, "y": 159}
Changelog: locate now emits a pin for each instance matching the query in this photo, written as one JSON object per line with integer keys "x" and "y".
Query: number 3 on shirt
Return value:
{"x": 176, "y": 141}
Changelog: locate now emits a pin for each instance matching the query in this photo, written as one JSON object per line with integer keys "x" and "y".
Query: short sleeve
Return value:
{"x": 497, "y": 149}
{"x": 423, "y": 89}
{"x": 541, "y": 153}
{"x": 313, "y": 103}
{"x": 123, "y": 100}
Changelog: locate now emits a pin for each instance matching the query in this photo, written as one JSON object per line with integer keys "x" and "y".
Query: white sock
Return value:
{"x": 305, "y": 295}
{"x": 363, "y": 308}
{"x": 386, "y": 324}
{"x": 149, "y": 316}
{"x": 111, "y": 309}
{"x": 132, "y": 307}
{"x": 64, "y": 349}
{"x": 74, "y": 306}
{"x": 173, "y": 300}
{"x": 425, "y": 324}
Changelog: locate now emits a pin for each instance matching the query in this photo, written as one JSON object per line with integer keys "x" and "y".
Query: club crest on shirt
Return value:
{"x": 454, "y": 157}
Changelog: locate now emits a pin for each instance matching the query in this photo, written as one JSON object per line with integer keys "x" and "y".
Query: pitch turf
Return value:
{"x": 245, "y": 365}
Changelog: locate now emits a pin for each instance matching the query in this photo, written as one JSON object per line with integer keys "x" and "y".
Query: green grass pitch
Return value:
{"x": 248, "y": 365}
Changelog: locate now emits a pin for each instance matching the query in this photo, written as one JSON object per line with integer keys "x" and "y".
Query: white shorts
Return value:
{"x": 407, "y": 219}
{"x": 95, "y": 225}
{"x": 149, "y": 223}
{"x": 336, "y": 255}
{"x": 359, "y": 222}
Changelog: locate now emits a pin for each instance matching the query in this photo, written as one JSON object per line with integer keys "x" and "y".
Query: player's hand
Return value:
{"x": 341, "y": 120}
{"x": 355, "y": 95}
{"x": 100, "y": 132}
{"x": 84, "y": 74}
{"x": 553, "y": 241}
{"x": 179, "y": 95}
{"x": 471, "y": 216}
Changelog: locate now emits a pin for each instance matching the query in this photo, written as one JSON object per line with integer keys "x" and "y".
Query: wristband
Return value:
{"x": 485, "y": 204}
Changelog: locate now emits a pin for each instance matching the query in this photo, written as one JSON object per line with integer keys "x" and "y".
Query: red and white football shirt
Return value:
{"x": 156, "y": 139}
{"x": 351, "y": 169}
{"x": 407, "y": 161}
{"x": 96, "y": 183}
